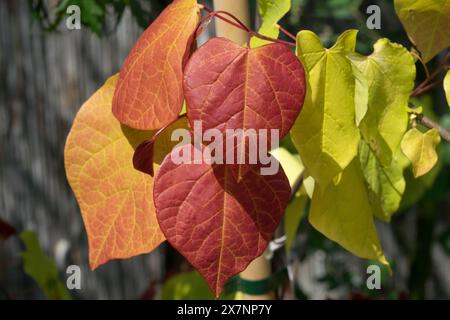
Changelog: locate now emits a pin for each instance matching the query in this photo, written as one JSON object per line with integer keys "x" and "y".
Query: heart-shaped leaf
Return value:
{"x": 218, "y": 224}
{"x": 149, "y": 92}
{"x": 427, "y": 23}
{"x": 115, "y": 199}
{"x": 231, "y": 87}
{"x": 420, "y": 148}
{"x": 384, "y": 81}
{"x": 325, "y": 133}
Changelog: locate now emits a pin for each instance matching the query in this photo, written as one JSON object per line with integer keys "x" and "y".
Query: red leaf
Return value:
{"x": 155, "y": 149}
{"x": 6, "y": 230}
{"x": 149, "y": 92}
{"x": 143, "y": 157}
{"x": 220, "y": 226}
{"x": 231, "y": 87}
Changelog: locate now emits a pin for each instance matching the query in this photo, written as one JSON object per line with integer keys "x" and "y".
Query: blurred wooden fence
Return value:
{"x": 45, "y": 77}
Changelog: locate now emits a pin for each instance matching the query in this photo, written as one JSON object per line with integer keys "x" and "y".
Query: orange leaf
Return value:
{"x": 149, "y": 93}
{"x": 115, "y": 199}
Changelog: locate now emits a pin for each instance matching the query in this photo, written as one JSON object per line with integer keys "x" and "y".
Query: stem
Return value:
{"x": 240, "y": 25}
{"x": 427, "y": 122}
{"x": 287, "y": 43}
{"x": 243, "y": 26}
{"x": 290, "y": 35}
{"x": 420, "y": 88}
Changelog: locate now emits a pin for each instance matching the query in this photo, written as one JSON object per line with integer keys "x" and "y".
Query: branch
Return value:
{"x": 423, "y": 87}
{"x": 240, "y": 25}
{"x": 427, "y": 122}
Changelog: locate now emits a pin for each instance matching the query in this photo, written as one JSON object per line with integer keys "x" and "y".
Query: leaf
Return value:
{"x": 343, "y": 214}
{"x": 145, "y": 156}
{"x": 295, "y": 212}
{"x": 149, "y": 92}
{"x": 427, "y": 23}
{"x": 271, "y": 11}
{"x": 447, "y": 87}
{"x": 388, "y": 79}
{"x": 218, "y": 225}
{"x": 231, "y": 87}
{"x": 291, "y": 164}
{"x": 420, "y": 149}
{"x": 115, "y": 199}
{"x": 325, "y": 133}
{"x": 189, "y": 286}
{"x": 43, "y": 270}
{"x": 385, "y": 185}
{"x": 6, "y": 230}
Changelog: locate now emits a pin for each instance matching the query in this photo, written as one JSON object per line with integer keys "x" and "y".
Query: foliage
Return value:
{"x": 190, "y": 286}
{"x": 94, "y": 12}
{"x": 347, "y": 115}
{"x": 39, "y": 267}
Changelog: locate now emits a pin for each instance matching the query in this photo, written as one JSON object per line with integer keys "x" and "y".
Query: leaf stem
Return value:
{"x": 427, "y": 122}
{"x": 424, "y": 87}
{"x": 240, "y": 25}
{"x": 290, "y": 35}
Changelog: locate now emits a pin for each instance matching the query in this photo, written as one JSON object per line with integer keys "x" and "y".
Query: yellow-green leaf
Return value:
{"x": 420, "y": 149}
{"x": 271, "y": 11}
{"x": 291, "y": 164}
{"x": 325, "y": 133}
{"x": 447, "y": 87}
{"x": 343, "y": 214}
{"x": 42, "y": 269}
{"x": 427, "y": 23}
{"x": 294, "y": 214}
{"x": 385, "y": 80}
{"x": 385, "y": 185}
{"x": 191, "y": 286}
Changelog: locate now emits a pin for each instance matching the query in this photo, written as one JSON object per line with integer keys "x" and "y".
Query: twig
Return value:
{"x": 290, "y": 35}
{"x": 442, "y": 66}
{"x": 427, "y": 122}
{"x": 297, "y": 185}
{"x": 240, "y": 25}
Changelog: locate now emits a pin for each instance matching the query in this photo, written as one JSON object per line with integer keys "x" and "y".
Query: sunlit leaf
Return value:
{"x": 271, "y": 11}
{"x": 216, "y": 223}
{"x": 420, "y": 148}
{"x": 42, "y": 269}
{"x": 447, "y": 87}
{"x": 385, "y": 80}
{"x": 427, "y": 23}
{"x": 149, "y": 92}
{"x": 291, "y": 164}
{"x": 325, "y": 133}
{"x": 114, "y": 198}
{"x": 343, "y": 214}
{"x": 228, "y": 86}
